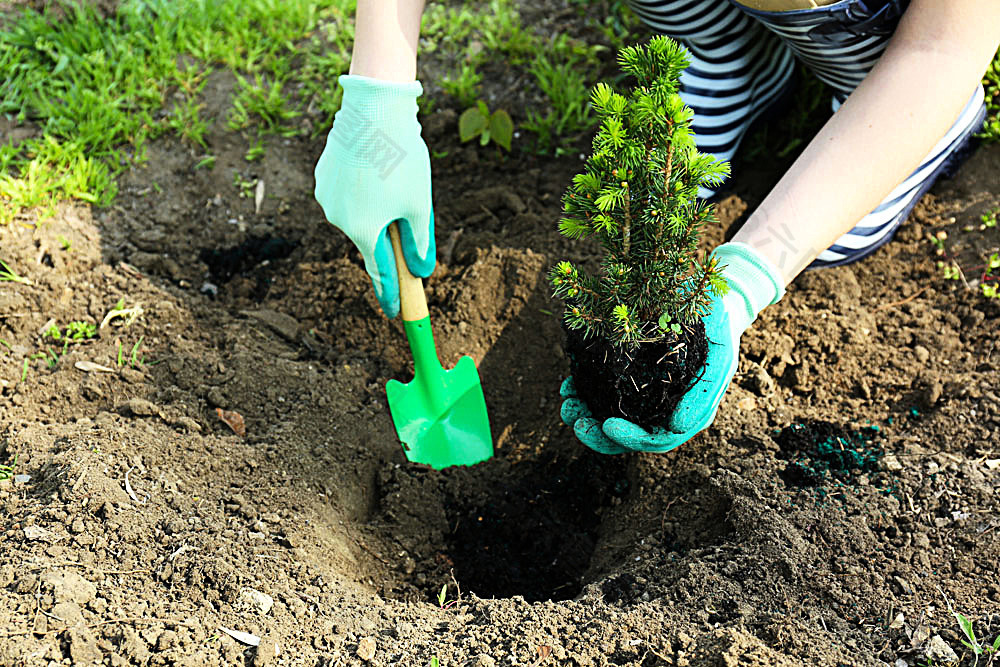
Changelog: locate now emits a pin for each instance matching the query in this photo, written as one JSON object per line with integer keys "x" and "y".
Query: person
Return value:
{"x": 907, "y": 99}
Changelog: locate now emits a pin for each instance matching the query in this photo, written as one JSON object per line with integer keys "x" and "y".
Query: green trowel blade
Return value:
{"x": 440, "y": 415}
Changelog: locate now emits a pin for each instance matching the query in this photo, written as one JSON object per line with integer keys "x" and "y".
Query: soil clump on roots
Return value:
{"x": 642, "y": 385}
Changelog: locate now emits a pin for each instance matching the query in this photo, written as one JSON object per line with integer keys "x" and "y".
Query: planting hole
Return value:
{"x": 534, "y": 535}
{"x": 224, "y": 263}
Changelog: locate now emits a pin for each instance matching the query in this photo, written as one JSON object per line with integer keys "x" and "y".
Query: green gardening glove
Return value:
{"x": 375, "y": 170}
{"x": 754, "y": 282}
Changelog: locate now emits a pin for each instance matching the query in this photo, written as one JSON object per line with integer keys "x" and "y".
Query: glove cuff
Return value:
{"x": 379, "y": 102}
{"x": 751, "y": 276}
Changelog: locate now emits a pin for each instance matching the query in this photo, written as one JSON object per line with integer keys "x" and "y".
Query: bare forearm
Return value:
{"x": 385, "y": 39}
{"x": 881, "y": 134}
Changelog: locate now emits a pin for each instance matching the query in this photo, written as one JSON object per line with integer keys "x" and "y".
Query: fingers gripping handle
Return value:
{"x": 412, "y": 302}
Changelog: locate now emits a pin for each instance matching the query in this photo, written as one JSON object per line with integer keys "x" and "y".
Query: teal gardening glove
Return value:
{"x": 754, "y": 282}
{"x": 375, "y": 170}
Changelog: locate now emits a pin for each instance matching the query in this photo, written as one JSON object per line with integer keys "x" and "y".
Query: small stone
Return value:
{"x": 260, "y": 602}
{"x": 78, "y": 526}
{"x": 216, "y": 398}
{"x": 267, "y": 650}
{"x": 33, "y": 533}
{"x": 922, "y": 353}
{"x": 186, "y": 423}
{"x": 92, "y": 392}
{"x": 760, "y": 382}
{"x": 366, "y": 649}
{"x": 69, "y": 612}
{"x": 26, "y": 584}
{"x": 799, "y": 377}
{"x": 892, "y": 464}
{"x": 931, "y": 394}
{"x": 174, "y": 527}
{"x": 132, "y": 375}
{"x": 166, "y": 640}
{"x": 82, "y": 646}
{"x": 897, "y": 623}
{"x": 138, "y": 407}
{"x": 284, "y": 325}
{"x": 482, "y": 660}
{"x": 902, "y": 586}
{"x": 938, "y": 650}
{"x": 69, "y": 586}
{"x": 747, "y": 404}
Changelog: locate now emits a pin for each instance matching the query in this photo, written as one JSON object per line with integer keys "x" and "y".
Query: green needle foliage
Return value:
{"x": 638, "y": 195}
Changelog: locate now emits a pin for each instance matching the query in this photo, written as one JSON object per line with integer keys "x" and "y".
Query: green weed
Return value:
{"x": 256, "y": 150}
{"x": 463, "y": 85}
{"x": 562, "y": 73}
{"x": 949, "y": 271}
{"x": 264, "y": 98}
{"x": 477, "y": 121}
{"x": 246, "y": 186}
{"x": 133, "y": 360}
{"x": 971, "y": 641}
{"x": 7, "y": 471}
{"x": 991, "y": 82}
{"x": 186, "y": 121}
{"x": 991, "y": 282}
{"x": 207, "y": 162}
{"x": 990, "y": 218}
{"x": 127, "y": 315}
{"x": 7, "y": 274}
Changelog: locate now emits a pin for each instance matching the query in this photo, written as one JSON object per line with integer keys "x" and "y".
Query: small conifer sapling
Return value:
{"x": 634, "y": 330}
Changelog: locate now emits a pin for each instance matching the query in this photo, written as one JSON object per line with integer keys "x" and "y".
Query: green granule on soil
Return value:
{"x": 821, "y": 453}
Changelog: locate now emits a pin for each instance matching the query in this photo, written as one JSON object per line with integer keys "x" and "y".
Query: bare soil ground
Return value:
{"x": 147, "y": 524}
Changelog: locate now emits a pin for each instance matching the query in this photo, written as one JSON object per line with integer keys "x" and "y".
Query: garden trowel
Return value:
{"x": 440, "y": 415}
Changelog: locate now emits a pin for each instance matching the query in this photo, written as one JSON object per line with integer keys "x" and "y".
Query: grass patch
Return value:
{"x": 97, "y": 87}
{"x": 991, "y": 130}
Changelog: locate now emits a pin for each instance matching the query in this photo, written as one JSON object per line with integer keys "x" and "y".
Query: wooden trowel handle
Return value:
{"x": 412, "y": 302}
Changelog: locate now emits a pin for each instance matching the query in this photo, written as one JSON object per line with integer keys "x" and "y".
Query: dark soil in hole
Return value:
{"x": 534, "y": 537}
{"x": 225, "y": 263}
{"x": 642, "y": 385}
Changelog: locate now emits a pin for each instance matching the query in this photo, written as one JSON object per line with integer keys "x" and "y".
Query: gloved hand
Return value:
{"x": 374, "y": 170}
{"x": 754, "y": 282}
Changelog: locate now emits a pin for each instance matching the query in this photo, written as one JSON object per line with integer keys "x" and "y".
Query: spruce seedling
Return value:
{"x": 638, "y": 196}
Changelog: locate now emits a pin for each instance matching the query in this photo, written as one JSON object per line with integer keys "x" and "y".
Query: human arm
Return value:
{"x": 908, "y": 101}
{"x": 375, "y": 168}
{"x": 876, "y": 140}
{"x": 385, "y": 39}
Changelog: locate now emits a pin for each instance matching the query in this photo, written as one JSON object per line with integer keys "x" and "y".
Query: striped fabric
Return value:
{"x": 878, "y": 227}
{"x": 738, "y": 69}
{"x": 841, "y": 43}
